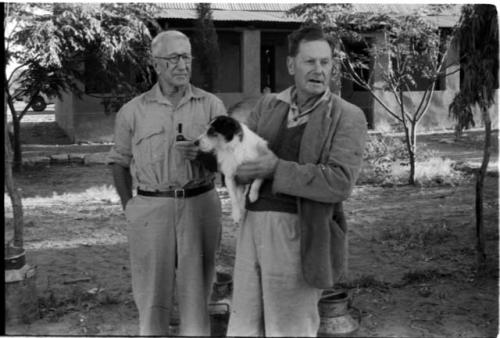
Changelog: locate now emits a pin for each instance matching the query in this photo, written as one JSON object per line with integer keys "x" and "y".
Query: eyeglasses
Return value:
{"x": 174, "y": 59}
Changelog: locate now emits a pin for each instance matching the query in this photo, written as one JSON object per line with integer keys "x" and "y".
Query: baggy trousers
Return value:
{"x": 270, "y": 295}
{"x": 159, "y": 229}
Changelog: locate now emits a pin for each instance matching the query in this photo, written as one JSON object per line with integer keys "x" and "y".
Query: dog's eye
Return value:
{"x": 211, "y": 131}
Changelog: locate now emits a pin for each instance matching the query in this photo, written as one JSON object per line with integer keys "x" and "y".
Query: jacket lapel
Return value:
{"x": 269, "y": 127}
{"x": 318, "y": 131}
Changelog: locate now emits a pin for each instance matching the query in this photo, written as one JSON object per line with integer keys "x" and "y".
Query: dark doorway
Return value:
{"x": 267, "y": 55}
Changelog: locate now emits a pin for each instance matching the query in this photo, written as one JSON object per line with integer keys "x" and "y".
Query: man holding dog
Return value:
{"x": 292, "y": 243}
{"x": 174, "y": 224}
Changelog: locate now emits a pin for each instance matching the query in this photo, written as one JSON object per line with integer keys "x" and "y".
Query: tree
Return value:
{"x": 412, "y": 56}
{"x": 477, "y": 36}
{"x": 49, "y": 44}
{"x": 206, "y": 46}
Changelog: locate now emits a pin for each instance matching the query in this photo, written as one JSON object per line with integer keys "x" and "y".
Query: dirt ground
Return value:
{"x": 412, "y": 256}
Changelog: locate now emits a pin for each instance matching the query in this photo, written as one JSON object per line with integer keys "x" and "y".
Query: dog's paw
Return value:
{"x": 253, "y": 195}
{"x": 236, "y": 215}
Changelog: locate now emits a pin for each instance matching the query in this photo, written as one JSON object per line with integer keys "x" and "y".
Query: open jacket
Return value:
{"x": 330, "y": 158}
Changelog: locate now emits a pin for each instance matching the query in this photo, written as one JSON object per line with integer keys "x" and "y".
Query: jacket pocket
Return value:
{"x": 150, "y": 144}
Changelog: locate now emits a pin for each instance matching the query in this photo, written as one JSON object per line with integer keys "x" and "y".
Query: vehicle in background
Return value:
{"x": 21, "y": 92}
{"x": 39, "y": 103}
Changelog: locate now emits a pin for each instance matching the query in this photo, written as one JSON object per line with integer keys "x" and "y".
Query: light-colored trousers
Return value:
{"x": 159, "y": 229}
{"x": 270, "y": 295}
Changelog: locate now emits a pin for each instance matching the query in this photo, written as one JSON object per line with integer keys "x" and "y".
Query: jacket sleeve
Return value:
{"x": 254, "y": 116}
{"x": 332, "y": 181}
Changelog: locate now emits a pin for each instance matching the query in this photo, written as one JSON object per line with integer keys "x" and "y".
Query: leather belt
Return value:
{"x": 178, "y": 193}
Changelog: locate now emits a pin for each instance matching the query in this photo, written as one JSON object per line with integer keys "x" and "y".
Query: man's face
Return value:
{"x": 171, "y": 73}
{"x": 311, "y": 68}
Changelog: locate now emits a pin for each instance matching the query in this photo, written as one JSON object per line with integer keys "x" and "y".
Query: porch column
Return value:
{"x": 251, "y": 62}
{"x": 452, "y": 67}
{"x": 380, "y": 66}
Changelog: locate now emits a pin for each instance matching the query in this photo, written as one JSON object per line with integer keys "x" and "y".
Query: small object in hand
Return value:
{"x": 180, "y": 137}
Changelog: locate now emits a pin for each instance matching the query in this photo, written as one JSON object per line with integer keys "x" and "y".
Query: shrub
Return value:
{"x": 386, "y": 162}
{"x": 379, "y": 155}
{"x": 431, "y": 171}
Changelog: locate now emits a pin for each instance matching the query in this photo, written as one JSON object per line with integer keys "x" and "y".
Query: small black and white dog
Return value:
{"x": 233, "y": 144}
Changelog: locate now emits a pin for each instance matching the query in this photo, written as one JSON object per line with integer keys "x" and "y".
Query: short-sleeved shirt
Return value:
{"x": 145, "y": 132}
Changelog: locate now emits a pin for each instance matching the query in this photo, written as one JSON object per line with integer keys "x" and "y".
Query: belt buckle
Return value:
{"x": 182, "y": 195}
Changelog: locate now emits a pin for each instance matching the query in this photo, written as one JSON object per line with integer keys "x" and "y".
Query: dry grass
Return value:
{"x": 434, "y": 170}
{"x": 102, "y": 193}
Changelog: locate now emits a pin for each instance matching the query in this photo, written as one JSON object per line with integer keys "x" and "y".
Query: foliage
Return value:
{"x": 380, "y": 154}
{"x": 48, "y": 44}
{"x": 206, "y": 46}
{"x": 477, "y": 36}
{"x": 436, "y": 171}
{"x": 386, "y": 160}
{"x": 478, "y": 39}
{"x": 412, "y": 52}
{"x": 461, "y": 110}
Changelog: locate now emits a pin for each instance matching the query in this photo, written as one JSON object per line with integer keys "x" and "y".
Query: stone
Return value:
{"x": 77, "y": 158}
{"x": 34, "y": 160}
{"x": 59, "y": 158}
{"x": 96, "y": 158}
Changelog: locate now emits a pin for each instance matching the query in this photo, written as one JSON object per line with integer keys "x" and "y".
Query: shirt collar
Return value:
{"x": 155, "y": 94}
{"x": 289, "y": 96}
{"x": 296, "y": 116}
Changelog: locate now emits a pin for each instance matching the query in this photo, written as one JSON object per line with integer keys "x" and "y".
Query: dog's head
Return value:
{"x": 222, "y": 132}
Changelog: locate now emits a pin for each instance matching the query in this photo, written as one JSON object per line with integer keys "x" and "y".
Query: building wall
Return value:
{"x": 85, "y": 120}
{"x": 64, "y": 114}
{"x": 436, "y": 118}
{"x": 250, "y": 43}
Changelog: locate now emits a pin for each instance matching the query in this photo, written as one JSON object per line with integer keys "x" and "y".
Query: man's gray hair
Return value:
{"x": 159, "y": 40}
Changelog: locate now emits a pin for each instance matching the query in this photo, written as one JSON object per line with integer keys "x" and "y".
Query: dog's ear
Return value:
{"x": 227, "y": 127}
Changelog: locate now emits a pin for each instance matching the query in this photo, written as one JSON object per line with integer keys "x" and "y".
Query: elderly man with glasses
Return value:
{"x": 174, "y": 223}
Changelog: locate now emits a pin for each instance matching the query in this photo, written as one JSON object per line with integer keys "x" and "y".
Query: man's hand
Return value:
{"x": 187, "y": 149}
{"x": 263, "y": 167}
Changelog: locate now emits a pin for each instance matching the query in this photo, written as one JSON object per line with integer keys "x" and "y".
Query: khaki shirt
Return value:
{"x": 145, "y": 132}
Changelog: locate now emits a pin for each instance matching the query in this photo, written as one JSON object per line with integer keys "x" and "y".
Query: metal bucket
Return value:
{"x": 334, "y": 312}
{"x": 223, "y": 286}
{"x": 15, "y": 258}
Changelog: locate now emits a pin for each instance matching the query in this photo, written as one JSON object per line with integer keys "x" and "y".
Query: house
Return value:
{"x": 253, "y": 45}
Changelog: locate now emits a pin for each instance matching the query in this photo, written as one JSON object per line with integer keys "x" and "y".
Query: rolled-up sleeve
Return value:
{"x": 121, "y": 152}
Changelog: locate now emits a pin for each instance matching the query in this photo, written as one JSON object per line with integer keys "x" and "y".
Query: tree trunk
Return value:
{"x": 18, "y": 160}
{"x": 410, "y": 146}
{"x": 413, "y": 151}
{"x": 15, "y": 197}
{"x": 480, "y": 176}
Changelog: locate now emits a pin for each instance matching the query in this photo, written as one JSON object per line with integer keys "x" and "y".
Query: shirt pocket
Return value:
{"x": 150, "y": 144}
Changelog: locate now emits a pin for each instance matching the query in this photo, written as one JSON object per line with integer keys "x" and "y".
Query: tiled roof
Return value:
{"x": 276, "y": 12}
{"x": 232, "y": 15}
{"x": 266, "y": 7}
